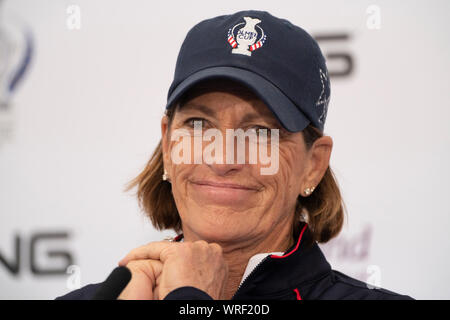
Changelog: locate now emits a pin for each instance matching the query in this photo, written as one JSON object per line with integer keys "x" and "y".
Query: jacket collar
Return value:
{"x": 293, "y": 272}
{"x": 289, "y": 274}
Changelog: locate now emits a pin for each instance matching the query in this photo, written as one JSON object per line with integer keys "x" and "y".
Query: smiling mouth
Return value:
{"x": 224, "y": 185}
{"x": 224, "y": 193}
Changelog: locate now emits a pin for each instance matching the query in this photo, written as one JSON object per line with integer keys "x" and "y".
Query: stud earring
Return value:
{"x": 165, "y": 176}
{"x": 308, "y": 191}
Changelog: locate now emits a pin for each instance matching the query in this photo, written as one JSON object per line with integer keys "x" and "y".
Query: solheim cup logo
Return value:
{"x": 16, "y": 48}
{"x": 248, "y": 38}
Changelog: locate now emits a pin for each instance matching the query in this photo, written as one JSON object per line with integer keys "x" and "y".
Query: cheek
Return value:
{"x": 178, "y": 172}
{"x": 179, "y": 181}
{"x": 179, "y": 177}
{"x": 283, "y": 188}
{"x": 292, "y": 164}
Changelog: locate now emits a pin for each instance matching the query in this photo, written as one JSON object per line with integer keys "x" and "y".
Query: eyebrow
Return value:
{"x": 197, "y": 107}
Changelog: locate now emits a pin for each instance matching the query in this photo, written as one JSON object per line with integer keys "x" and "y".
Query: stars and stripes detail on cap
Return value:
{"x": 231, "y": 40}
{"x": 258, "y": 45}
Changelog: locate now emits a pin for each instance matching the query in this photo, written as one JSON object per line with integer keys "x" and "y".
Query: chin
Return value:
{"x": 220, "y": 230}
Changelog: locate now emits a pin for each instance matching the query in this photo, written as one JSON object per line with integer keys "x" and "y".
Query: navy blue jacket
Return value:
{"x": 302, "y": 273}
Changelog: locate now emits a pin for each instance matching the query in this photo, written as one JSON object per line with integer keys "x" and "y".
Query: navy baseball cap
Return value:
{"x": 280, "y": 62}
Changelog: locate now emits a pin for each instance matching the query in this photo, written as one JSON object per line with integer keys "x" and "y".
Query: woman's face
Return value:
{"x": 233, "y": 202}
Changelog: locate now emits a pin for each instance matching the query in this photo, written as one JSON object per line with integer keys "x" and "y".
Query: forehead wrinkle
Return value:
{"x": 190, "y": 106}
{"x": 250, "y": 117}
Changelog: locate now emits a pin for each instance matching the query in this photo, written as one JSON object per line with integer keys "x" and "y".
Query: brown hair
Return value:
{"x": 323, "y": 210}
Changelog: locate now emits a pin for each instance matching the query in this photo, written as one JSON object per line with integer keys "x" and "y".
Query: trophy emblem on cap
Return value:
{"x": 245, "y": 40}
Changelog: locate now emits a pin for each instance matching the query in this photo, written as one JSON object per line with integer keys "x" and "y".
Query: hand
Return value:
{"x": 198, "y": 264}
{"x": 143, "y": 280}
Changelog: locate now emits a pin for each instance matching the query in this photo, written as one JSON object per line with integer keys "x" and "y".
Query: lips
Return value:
{"x": 224, "y": 193}
{"x": 228, "y": 185}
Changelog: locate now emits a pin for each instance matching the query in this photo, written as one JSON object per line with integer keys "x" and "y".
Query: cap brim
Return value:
{"x": 287, "y": 113}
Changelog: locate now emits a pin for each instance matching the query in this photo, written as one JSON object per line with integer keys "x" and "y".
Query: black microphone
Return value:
{"x": 113, "y": 285}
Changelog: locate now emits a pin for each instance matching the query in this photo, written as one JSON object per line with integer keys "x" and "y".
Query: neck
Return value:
{"x": 237, "y": 254}
{"x": 238, "y": 259}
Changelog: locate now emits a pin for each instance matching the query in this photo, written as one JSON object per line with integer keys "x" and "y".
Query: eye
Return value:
{"x": 191, "y": 122}
{"x": 261, "y": 130}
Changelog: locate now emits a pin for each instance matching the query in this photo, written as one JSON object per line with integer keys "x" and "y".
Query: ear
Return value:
{"x": 318, "y": 162}
{"x": 165, "y": 139}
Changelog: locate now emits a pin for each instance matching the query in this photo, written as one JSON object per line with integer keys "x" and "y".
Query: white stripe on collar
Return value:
{"x": 255, "y": 260}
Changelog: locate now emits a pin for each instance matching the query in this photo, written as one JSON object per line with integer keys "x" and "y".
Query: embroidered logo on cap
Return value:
{"x": 247, "y": 38}
{"x": 324, "y": 97}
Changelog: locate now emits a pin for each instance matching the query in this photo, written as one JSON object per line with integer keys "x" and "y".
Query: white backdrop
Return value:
{"x": 84, "y": 119}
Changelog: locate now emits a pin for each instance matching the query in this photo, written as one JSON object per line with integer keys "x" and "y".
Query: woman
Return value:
{"x": 247, "y": 229}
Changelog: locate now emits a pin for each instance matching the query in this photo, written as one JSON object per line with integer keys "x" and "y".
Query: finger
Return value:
{"x": 153, "y": 266}
{"x": 150, "y": 268}
{"x": 148, "y": 251}
{"x": 143, "y": 278}
{"x": 156, "y": 293}
{"x": 158, "y": 280}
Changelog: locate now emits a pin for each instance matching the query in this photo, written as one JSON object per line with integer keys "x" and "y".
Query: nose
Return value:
{"x": 231, "y": 157}
{"x": 226, "y": 169}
